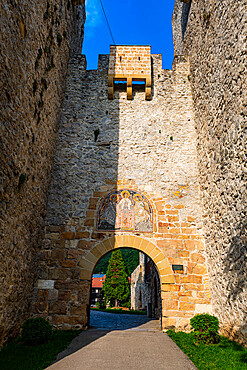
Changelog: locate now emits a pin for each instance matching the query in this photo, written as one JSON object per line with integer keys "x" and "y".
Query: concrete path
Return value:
{"x": 122, "y": 342}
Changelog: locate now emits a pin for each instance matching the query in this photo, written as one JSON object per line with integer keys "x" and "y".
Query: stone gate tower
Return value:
{"x": 125, "y": 175}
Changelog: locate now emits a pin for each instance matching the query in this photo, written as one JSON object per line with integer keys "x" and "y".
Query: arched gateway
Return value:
{"x": 88, "y": 262}
{"x": 125, "y": 175}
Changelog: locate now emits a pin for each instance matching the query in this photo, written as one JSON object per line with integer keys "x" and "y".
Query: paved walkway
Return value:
{"x": 122, "y": 342}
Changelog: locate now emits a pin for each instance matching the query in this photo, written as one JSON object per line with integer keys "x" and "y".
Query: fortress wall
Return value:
{"x": 109, "y": 145}
{"x": 37, "y": 39}
{"x": 215, "y": 40}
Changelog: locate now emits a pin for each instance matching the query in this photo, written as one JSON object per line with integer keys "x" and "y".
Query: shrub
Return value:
{"x": 101, "y": 304}
{"x": 206, "y": 328}
{"x": 126, "y": 304}
{"x": 36, "y": 331}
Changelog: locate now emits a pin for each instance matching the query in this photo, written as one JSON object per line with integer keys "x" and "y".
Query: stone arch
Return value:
{"x": 88, "y": 261}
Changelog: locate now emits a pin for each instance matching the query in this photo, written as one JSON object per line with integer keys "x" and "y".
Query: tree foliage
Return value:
{"x": 116, "y": 285}
{"x": 130, "y": 257}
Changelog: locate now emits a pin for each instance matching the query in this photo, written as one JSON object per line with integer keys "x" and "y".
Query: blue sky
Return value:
{"x": 142, "y": 22}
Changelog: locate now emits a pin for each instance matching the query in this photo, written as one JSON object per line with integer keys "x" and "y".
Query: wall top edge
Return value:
{"x": 144, "y": 45}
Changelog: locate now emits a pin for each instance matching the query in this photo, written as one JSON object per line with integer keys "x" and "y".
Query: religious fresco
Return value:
{"x": 125, "y": 210}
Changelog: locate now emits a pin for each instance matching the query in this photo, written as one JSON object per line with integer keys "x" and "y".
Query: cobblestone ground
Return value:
{"x": 112, "y": 321}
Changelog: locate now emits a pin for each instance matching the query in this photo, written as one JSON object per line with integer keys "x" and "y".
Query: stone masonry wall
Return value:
{"x": 37, "y": 39}
{"x": 129, "y": 60}
{"x": 215, "y": 40}
{"x": 108, "y": 145}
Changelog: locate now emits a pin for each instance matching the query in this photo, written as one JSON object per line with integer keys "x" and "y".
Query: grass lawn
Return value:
{"x": 119, "y": 310}
{"x": 17, "y": 356}
{"x": 225, "y": 355}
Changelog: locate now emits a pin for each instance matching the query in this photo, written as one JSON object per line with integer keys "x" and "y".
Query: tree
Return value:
{"x": 116, "y": 285}
{"x": 130, "y": 257}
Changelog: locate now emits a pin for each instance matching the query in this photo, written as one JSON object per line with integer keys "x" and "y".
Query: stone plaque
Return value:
{"x": 125, "y": 210}
{"x": 46, "y": 284}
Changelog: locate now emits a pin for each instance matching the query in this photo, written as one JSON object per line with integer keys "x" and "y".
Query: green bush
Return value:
{"x": 205, "y": 328}
{"x": 126, "y": 304}
{"x": 101, "y": 304}
{"x": 36, "y": 331}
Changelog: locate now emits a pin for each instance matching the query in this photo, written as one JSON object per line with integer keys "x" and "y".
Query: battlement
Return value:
{"x": 131, "y": 62}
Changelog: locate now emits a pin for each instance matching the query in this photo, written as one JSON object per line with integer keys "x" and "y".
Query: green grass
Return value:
{"x": 17, "y": 356}
{"x": 225, "y": 355}
{"x": 119, "y": 310}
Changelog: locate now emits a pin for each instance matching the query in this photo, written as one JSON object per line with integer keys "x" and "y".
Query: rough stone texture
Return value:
{"x": 108, "y": 145}
{"x": 37, "y": 39}
{"x": 129, "y": 60}
{"x": 145, "y": 287}
{"x": 215, "y": 40}
{"x": 140, "y": 294}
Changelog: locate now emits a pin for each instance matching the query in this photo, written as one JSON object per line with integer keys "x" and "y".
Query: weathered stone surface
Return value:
{"x": 214, "y": 37}
{"x": 36, "y": 43}
{"x": 137, "y": 150}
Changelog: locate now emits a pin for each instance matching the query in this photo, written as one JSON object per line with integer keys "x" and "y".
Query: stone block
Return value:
{"x": 192, "y": 279}
{"x": 167, "y": 279}
{"x": 160, "y": 205}
{"x": 65, "y": 295}
{"x": 159, "y": 257}
{"x": 179, "y": 206}
{"x": 91, "y": 258}
{"x": 168, "y": 323}
{"x": 78, "y": 309}
{"x": 172, "y": 218}
{"x": 88, "y": 265}
{"x": 89, "y": 222}
{"x": 72, "y": 253}
{"x": 170, "y": 288}
{"x": 86, "y": 274}
{"x": 183, "y": 253}
{"x": 171, "y": 243}
{"x": 186, "y": 306}
{"x": 194, "y": 287}
{"x": 67, "y": 235}
{"x": 40, "y": 308}
{"x": 58, "y": 307}
{"x": 68, "y": 263}
{"x": 82, "y": 235}
{"x": 93, "y": 203}
{"x": 58, "y": 244}
{"x": 85, "y": 244}
{"x": 191, "y": 219}
{"x": 189, "y": 230}
{"x": 172, "y": 212}
{"x": 164, "y": 271}
{"x": 108, "y": 245}
{"x": 45, "y": 284}
{"x": 67, "y": 285}
{"x": 137, "y": 242}
{"x": 52, "y": 236}
{"x": 197, "y": 269}
{"x": 96, "y": 252}
{"x": 197, "y": 257}
{"x": 193, "y": 245}
{"x": 164, "y": 264}
{"x": 52, "y": 294}
{"x": 203, "y": 308}
{"x": 185, "y": 293}
{"x": 58, "y": 254}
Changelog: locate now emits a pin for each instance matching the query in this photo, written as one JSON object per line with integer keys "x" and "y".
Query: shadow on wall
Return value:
{"x": 185, "y": 15}
{"x": 235, "y": 269}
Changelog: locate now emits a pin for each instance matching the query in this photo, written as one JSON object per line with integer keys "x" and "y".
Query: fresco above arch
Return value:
{"x": 125, "y": 210}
